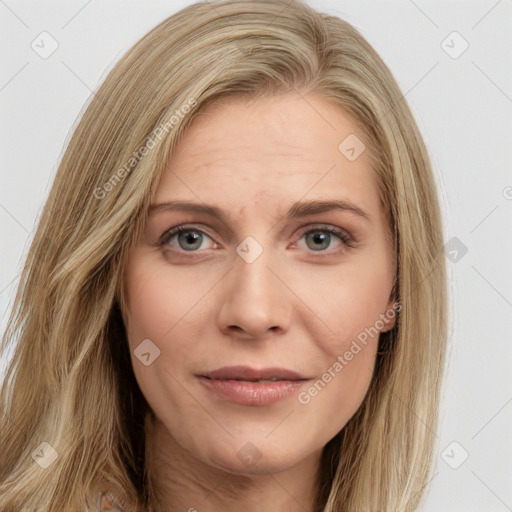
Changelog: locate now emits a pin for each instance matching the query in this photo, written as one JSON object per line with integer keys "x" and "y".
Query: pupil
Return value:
{"x": 319, "y": 238}
{"x": 192, "y": 238}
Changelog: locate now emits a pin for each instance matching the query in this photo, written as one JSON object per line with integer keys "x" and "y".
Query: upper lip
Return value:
{"x": 247, "y": 373}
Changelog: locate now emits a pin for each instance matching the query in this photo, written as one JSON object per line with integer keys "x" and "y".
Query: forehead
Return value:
{"x": 269, "y": 152}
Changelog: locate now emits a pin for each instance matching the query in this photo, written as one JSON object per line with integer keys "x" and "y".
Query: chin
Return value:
{"x": 245, "y": 458}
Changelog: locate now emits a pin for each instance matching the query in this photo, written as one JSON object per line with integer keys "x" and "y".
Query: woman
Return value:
{"x": 235, "y": 297}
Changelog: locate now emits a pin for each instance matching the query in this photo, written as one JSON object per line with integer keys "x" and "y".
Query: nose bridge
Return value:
{"x": 253, "y": 299}
{"x": 251, "y": 266}
{"x": 252, "y": 277}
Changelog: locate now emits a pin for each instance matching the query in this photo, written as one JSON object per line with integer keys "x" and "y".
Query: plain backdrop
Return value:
{"x": 452, "y": 62}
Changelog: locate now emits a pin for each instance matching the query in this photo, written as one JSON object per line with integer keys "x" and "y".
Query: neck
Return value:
{"x": 180, "y": 482}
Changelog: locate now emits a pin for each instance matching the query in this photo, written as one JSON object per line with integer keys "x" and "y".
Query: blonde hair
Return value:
{"x": 70, "y": 382}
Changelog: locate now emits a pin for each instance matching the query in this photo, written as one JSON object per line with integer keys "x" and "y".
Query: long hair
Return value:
{"x": 72, "y": 413}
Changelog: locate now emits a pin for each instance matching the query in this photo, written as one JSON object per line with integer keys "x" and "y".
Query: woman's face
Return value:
{"x": 256, "y": 288}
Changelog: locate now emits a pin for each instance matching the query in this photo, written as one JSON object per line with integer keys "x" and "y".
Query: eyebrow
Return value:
{"x": 298, "y": 209}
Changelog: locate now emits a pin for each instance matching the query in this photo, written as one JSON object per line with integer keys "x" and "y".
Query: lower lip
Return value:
{"x": 253, "y": 393}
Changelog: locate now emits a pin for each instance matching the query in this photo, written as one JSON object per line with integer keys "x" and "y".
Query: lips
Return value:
{"x": 243, "y": 385}
{"x": 245, "y": 373}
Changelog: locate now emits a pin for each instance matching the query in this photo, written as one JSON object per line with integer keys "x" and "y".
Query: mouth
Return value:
{"x": 248, "y": 386}
{"x": 246, "y": 373}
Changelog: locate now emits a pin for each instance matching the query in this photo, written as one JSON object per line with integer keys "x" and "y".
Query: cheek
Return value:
{"x": 159, "y": 304}
{"x": 350, "y": 358}
{"x": 170, "y": 312}
{"x": 349, "y": 302}
{"x": 153, "y": 313}
{"x": 159, "y": 313}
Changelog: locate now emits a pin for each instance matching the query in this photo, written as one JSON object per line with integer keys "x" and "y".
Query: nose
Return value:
{"x": 254, "y": 300}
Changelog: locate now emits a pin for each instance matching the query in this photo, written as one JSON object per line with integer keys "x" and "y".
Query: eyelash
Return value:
{"x": 343, "y": 236}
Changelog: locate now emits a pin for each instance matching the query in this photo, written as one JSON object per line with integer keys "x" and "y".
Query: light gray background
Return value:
{"x": 464, "y": 109}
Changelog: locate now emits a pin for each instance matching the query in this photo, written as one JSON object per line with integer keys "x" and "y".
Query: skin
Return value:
{"x": 299, "y": 305}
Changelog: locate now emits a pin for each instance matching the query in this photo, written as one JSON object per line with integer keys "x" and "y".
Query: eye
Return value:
{"x": 189, "y": 239}
{"x": 321, "y": 238}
